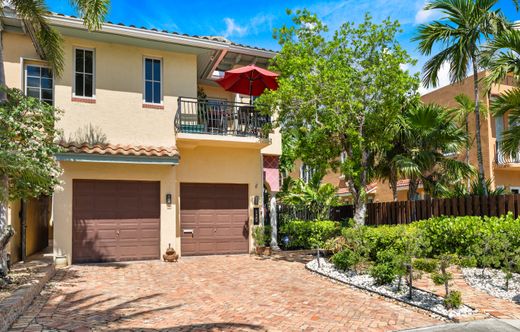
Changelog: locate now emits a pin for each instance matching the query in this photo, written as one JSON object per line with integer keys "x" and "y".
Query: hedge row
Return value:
{"x": 482, "y": 241}
{"x": 298, "y": 234}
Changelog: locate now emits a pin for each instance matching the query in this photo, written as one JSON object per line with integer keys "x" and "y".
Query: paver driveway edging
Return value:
{"x": 13, "y": 306}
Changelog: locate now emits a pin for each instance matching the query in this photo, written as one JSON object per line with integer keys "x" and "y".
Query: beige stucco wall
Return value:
{"x": 205, "y": 164}
{"x": 118, "y": 110}
{"x": 507, "y": 177}
{"x": 16, "y": 46}
{"x": 62, "y": 207}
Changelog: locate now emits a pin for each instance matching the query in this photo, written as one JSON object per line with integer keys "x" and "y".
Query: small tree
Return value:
{"x": 340, "y": 95}
{"x": 27, "y": 149}
{"x": 443, "y": 277}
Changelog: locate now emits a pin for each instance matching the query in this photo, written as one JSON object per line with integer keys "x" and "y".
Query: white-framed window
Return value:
{"x": 84, "y": 73}
{"x": 514, "y": 190}
{"x": 39, "y": 83}
{"x": 152, "y": 81}
{"x": 306, "y": 173}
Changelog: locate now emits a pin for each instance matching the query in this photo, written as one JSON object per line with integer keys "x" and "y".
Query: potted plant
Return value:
{"x": 262, "y": 236}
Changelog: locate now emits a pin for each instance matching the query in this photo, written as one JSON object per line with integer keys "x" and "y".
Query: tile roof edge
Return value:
{"x": 214, "y": 39}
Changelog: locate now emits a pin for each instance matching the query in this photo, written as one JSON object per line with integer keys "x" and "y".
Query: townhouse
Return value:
{"x": 155, "y": 153}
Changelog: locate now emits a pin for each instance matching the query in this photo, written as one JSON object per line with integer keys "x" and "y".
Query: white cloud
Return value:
{"x": 233, "y": 29}
{"x": 424, "y": 16}
{"x": 443, "y": 80}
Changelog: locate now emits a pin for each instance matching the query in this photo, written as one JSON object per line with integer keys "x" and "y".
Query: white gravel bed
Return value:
{"x": 493, "y": 282}
{"x": 422, "y": 299}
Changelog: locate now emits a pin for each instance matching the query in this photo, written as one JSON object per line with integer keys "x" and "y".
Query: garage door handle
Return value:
{"x": 187, "y": 231}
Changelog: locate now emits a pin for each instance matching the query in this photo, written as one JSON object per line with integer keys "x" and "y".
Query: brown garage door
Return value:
{"x": 115, "y": 220}
{"x": 214, "y": 219}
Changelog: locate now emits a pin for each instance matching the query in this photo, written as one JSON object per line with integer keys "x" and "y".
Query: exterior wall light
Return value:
{"x": 169, "y": 199}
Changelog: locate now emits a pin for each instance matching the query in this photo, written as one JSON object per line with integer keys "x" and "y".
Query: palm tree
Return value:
{"x": 48, "y": 42}
{"x": 460, "y": 31}
{"x": 465, "y": 106}
{"x": 317, "y": 197}
{"x": 430, "y": 137}
{"x": 502, "y": 58}
{"x": 386, "y": 168}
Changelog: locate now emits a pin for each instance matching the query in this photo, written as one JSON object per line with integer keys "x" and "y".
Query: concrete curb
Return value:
{"x": 13, "y": 306}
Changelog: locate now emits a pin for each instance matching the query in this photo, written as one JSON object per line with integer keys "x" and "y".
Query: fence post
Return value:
{"x": 511, "y": 204}
{"x": 501, "y": 205}
{"x": 484, "y": 206}
{"x": 476, "y": 206}
{"x": 492, "y": 201}
{"x": 454, "y": 207}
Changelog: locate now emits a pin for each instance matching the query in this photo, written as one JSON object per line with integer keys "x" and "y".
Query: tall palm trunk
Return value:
{"x": 5, "y": 232}
{"x": 481, "y": 178}
{"x": 468, "y": 184}
{"x": 393, "y": 185}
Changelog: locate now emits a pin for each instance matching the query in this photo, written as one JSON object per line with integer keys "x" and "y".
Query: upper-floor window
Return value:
{"x": 38, "y": 83}
{"x": 152, "y": 81}
{"x": 84, "y": 73}
{"x": 306, "y": 173}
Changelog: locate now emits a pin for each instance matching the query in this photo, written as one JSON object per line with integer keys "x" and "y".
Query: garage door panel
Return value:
{"x": 115, "y": 220}
{"x": 218, "y": 215}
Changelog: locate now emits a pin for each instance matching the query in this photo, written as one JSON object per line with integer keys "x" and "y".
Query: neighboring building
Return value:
{"x": 180, "y": 161}
{"x": 502, "y": 170}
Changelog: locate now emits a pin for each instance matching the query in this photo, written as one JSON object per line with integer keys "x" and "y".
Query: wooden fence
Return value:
{"x": 390, "y": 213}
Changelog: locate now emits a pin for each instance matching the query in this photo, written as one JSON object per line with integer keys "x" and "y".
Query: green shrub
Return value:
{"x": 468, "y": 261}
{"x": 346, "y": 259}
{"x": 383, "y": 273}
{"x": 262, "y": 235}
{"x": 309, "y": 234}
{"x": 425, "y": 264}
{"x": 453, "y": 300}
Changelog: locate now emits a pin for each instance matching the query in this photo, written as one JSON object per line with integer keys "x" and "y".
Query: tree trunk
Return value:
{"x": 481, "y": 179}
{"x": 467, "y": 151}
{"x": 412, "y": 189}
{"x": 360, "y": 207}
{"x": 6, "y": 232}
{"x": 393, "y": 185}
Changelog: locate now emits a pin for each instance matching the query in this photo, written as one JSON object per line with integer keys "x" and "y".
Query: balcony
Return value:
{"x": 220, "y": 118}
{"x": 503, "y": 159}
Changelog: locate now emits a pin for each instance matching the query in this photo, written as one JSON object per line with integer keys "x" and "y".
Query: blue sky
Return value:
{"x": 252, "y": 22}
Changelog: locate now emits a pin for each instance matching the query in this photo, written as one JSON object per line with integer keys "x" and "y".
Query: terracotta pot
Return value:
{"x": 260, "y": 250}
{"x": 267, "y": 251}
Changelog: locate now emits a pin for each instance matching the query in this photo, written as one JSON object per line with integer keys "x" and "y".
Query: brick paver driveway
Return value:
{"x": 220, "y": 293}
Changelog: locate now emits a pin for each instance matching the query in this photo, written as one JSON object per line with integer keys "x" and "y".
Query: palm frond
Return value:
{"x": 93, "y": 12}
{"x": 507, "y": 101}
{"x": 510, "y": 143}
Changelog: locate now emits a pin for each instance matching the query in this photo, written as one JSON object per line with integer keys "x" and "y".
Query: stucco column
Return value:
{"x": 274, "y": 223}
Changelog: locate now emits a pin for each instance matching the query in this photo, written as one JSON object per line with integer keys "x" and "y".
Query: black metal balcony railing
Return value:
{"x": 219, "y": 117}
{"x": 503, "y": 159}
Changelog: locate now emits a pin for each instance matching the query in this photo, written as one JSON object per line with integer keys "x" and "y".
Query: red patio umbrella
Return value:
{"x": 249, "y": 80}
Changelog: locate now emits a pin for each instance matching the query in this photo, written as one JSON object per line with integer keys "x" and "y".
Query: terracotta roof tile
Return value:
{"x": 369, "y": 188}
{"x": 211, "y": 38}
{"x": 403, "y": 183}
{"x": 126, "y": 150}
